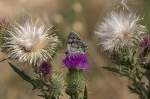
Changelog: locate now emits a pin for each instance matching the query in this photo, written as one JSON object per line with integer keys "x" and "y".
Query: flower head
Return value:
{"x": 119, "y": 30}
{"x": 31, "y": 42}
{"x": 45, "y": 69}
{"x": 146, "y": 42}
{"x": 76, "y": 61}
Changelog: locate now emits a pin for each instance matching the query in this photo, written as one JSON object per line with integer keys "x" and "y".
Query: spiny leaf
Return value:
{"x": 23, "y": 75}
{"x": 139, "y": 88}
{"x": 121, "y": 71}
{"x": 85, "y": 93}
{"x": 42, "y": 95}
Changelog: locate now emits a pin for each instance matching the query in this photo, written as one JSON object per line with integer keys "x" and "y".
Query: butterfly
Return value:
{"x": 74, "y": 44}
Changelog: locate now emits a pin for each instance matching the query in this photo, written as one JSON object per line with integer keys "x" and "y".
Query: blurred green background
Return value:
{"x": 80, "y": 16}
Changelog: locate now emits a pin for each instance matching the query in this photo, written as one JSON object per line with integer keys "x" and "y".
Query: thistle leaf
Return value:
{"x": 121, "y": 71}
{"x": 41, "y": 95}
{"x": 85, "y": 93}
{"x": 24, "y": 76}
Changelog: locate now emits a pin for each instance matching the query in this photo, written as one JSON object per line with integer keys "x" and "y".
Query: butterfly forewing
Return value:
{"x": 75, "y": 44}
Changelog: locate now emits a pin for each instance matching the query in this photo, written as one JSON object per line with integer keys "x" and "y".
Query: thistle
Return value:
{"x": 121, "y": 34}
{"x": 31, "y": 42}
{"x": 76, "y": 61}
{"x": 120, "y": 30}
{"x": 51, "y": 88}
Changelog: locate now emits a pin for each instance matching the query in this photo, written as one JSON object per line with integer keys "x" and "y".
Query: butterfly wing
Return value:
{"x": 74, "y": 44}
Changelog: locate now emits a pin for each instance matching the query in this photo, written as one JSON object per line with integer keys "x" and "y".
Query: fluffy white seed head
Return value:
{"x": 31, "y": 42}
{"x": 119, "y": 30}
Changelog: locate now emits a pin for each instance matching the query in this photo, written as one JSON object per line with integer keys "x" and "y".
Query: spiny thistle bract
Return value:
{"x": 31, "y": 42}
{"x": 75, "y": 83}
{"x": 56, "y": 86}
{"x": 120, "y": 30}
{"x": 5, "y": 26}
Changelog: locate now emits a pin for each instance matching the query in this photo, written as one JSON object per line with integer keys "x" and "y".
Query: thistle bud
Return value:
{"x": 75, "y": 84}
{"x": 56, "y": 86}
{"x": 45, "y": 69}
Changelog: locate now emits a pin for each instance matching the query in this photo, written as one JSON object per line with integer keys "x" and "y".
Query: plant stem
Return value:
{"x": 4, "y": 59}
{"x": 75, "y": 96}
{"x": 72, "y": 97}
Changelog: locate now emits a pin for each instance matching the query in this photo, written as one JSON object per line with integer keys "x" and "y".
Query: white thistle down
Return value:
{"x": 124, "y": 3}
{"x": 31, "y": 43}
{"x": 119, "y": 30}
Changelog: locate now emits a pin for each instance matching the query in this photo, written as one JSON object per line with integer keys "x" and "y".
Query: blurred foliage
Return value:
{"x": 70, "y": 15}
{"x": 146, "y": 13}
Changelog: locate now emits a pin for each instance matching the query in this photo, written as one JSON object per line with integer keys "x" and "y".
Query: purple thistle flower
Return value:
{"x": 76, "y": 61}
{"x": 45, "y": 69}
{"x": 146, "y": 42}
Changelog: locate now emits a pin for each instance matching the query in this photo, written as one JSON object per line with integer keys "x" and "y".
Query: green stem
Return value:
{"x": 72, "y": 97}
{"x": 4, "y": 59}
{"x": 76, "y": 96}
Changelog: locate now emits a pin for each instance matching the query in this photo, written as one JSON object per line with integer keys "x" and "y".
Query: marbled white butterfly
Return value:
{"x": 74, "y": 44}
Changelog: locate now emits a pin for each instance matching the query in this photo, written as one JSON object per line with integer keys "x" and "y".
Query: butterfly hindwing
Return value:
{"x": 75, "y": 44}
